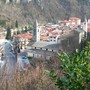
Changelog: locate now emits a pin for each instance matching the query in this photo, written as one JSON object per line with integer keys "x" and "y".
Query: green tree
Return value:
{"x": 16, "y": 24}
{"x": 76, "y": 71}
{"x": 26, "y": 29}
{"x": 18, "y": 32}
{"x": 14, "y": 33}
{"x": 30, "y": 27}
{"x": 8, "y": 35}
{"x": 88, "y": 36}
{"x": 2, "y": 23}
{"x": 22, "y": 30}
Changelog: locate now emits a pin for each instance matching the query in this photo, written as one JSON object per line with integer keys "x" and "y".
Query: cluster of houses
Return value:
{"x": 66, "y": 35}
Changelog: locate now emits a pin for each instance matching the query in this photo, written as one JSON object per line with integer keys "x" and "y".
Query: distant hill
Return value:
{"x": 44, "y": 10}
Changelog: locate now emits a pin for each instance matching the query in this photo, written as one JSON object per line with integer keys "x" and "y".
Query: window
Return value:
{"x": 46, "y": 49}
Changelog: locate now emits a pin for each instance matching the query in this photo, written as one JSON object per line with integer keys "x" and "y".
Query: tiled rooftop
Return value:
{"x": 26, "y": 36}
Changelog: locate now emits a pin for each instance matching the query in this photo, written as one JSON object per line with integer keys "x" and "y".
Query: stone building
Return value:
{"x": 72, "y": 41}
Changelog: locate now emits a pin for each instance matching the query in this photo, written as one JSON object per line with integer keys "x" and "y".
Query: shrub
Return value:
{"x": 76, "y": 71}
{"x": 32, "y": 79}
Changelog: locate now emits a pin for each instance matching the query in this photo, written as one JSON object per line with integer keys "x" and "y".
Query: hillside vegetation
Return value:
{"x": 76, "y": 70}
{"x": 44, "y": 10}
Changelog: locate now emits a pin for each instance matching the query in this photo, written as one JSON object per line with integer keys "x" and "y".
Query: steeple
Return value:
{"x": 36, "y": 32}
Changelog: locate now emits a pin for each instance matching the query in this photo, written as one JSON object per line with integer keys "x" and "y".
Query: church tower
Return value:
{"x": 36, "y": 32}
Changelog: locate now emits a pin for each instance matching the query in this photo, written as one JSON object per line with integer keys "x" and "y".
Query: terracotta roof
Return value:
{"x": 65, "y": 21}
{"x": 53, "y": 35}
{"x": 74, "y": 18}
{"x": 50, "y": 30}
{"x": 26, "y": 36}
{"x": 44, "y": 37}
{"x": 89, "y": 29}
{"x": 2, "y": 37}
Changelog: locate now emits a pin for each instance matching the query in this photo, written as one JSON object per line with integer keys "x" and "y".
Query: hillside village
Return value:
{"x": 26, "y": 54}
{"x": 49, "y": 39}
{"x": 44, "y": 44}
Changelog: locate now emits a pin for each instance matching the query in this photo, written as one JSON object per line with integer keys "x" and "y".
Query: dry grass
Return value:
{"x": 32, "y": 79}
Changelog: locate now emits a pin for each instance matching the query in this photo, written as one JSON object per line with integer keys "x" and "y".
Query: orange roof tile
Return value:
{"x": 74, "y": 18}
{"x": 26, "y": 36}
{"x": 53, "y": 36}
{"x": 44, "y": 37}
{"x": 54, "y": 33}
{"x": 65, "y": 21}
{"x": 89, "y": 29}
{"x": 49, "y": 29}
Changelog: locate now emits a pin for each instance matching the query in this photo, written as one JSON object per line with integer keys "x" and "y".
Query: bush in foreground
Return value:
{"x": 76, "y": 71}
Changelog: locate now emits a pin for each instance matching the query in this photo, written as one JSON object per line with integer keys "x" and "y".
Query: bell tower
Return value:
{"x": 36, "y": 32}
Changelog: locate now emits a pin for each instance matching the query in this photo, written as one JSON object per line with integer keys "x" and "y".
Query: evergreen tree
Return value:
{"x": 18, "y": 32}
{"x": 26, "y": 29}
{"x": 22, "y": 30}
{"x": 30, "y": 27}
{"x": 14, "y": 33}
{"x": 16, "y": 24}
{"x": 8, "y": 35}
